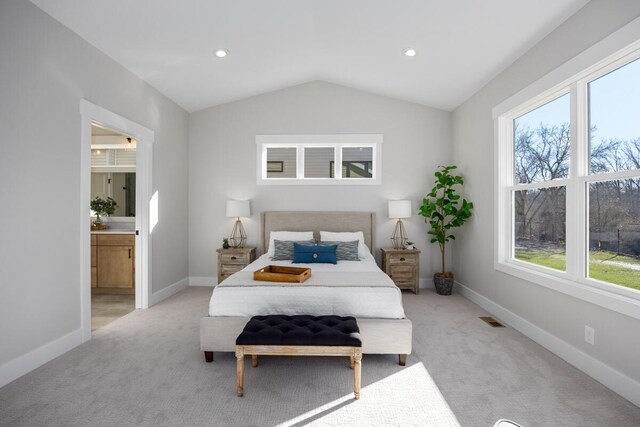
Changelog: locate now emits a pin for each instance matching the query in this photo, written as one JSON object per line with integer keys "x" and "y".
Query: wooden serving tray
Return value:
{"x": 276, "y": 273}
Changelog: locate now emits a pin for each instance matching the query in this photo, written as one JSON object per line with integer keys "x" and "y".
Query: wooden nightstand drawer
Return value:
{"x": 403, "y": 259}
{"x": 229, "y": 269}
{"x": 234, "y": 258}
{"x": 402, "y": 272}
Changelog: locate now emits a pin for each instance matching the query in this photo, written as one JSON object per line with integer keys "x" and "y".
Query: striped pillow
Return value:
{"x": 283, "y": 249}
{"x": 346, "y": 251}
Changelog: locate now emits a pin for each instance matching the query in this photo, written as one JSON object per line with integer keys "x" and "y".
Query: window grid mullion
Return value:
{"x": 611, "y": 176}
{"x": 571, "y": 207}
{"x": 576, "y": 195}
{"x": 300, "y": 161}
{"x": 541, "y": 185}
{"x": 509, "y": 170}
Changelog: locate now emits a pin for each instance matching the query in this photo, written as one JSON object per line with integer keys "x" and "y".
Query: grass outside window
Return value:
{"x": 603, "y": 265}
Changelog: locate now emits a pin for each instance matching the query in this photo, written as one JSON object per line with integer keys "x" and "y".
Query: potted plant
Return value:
{"x": 444, "y": 210}
{"x": 102, "y": 207}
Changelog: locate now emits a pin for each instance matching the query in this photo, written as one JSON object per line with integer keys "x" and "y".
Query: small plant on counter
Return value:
{"x": 102, "y": 207}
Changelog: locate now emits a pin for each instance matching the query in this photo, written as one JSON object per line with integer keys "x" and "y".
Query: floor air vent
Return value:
{"x": 493, "y": 322}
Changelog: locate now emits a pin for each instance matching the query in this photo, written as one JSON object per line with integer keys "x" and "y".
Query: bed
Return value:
{"x": 356, "y": 288}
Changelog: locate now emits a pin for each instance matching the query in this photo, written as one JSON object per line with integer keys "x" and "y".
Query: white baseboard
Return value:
{"x": 605, "y": 374}
{"x": 425, "y": 283}
{"x": 203, "y": 281}
{"x": 165, "y": 293}
{"x": 26, "y": 363}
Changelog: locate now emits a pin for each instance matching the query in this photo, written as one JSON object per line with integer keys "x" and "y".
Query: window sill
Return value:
{"x": 582, "y": 289}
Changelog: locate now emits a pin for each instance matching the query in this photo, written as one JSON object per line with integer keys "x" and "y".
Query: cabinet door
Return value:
{"x": 94, "y": 262}
{"x": 115, "y": 267}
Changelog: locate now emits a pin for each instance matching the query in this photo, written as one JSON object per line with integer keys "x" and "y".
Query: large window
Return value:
{"x": 311, "y": 159}
{"x": 614, "y": 187}
{"x": 541, "y": 142}
{"x": 569, "y": 181}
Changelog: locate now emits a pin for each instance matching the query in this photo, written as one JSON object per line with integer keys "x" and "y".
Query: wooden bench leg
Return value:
{"x": 357, "y": 369}
{"x": 402, "y": 359}
{"x": 240, "y": 372}
{"x": 254, "y": 360}
{"x": 351, "y": 362}
{"x": 208, "y": 356}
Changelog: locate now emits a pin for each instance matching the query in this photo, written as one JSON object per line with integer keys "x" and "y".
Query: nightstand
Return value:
{"x": 403, "y": 266}
{"x": 233, "y": 260}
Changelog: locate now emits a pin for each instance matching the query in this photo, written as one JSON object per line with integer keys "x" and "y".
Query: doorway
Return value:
{"x": 116, "y": 158}
{"x": 113, "y": 212}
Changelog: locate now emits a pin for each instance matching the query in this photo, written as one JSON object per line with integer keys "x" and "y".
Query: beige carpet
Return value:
{"x": 107, "y": 308}
{"x": 146, "y": 369}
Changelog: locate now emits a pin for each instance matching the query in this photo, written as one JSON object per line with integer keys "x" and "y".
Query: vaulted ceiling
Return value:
{"x": 461, "y": 44}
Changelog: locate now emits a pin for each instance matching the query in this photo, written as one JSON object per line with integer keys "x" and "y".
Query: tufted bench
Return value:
{"x": 279, "y": 335}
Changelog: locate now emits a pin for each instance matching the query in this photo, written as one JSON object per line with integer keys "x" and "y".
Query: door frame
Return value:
{"x": 92, "y": 113}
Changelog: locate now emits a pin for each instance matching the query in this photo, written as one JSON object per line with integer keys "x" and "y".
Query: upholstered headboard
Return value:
{"x": 317, "y": 221}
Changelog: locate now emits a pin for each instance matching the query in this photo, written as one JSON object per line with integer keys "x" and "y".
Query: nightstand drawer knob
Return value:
{"x": 402, "y": 259}
{"x": 233, "y": 257}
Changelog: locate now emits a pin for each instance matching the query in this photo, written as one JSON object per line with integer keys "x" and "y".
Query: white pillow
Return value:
{"x": 294, "y": 236}
{"x": 331, "y": 236}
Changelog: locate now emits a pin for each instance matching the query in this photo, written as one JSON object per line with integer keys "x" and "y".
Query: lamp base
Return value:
{"x": 238, "y": 236}
{"x": 399, "y": 236}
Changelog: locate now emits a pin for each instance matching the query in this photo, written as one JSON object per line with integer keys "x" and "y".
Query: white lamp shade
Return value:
{"x": 399, "y": 209}
{"x": 238, "y": 208}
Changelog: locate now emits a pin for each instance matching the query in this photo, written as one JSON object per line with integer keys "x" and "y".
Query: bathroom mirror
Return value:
{"x": 120, "y": 186}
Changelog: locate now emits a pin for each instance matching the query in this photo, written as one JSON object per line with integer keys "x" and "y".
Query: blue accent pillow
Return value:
{"x": 284, "y": 249}
{"x": 303, "y": 254}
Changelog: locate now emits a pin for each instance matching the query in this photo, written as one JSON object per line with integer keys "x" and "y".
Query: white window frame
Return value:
{"x": 574, "y": 281}
{"x": 335, "y": 141}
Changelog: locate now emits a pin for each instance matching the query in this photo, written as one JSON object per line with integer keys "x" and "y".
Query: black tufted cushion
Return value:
{"x": 301, "y": 330}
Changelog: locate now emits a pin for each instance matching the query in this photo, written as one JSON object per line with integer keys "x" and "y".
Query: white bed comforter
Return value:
{"x": 349, "y": 288}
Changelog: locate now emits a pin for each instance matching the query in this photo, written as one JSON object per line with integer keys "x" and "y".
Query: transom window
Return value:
{"x": 311, "y": 159}
{"x": 569, "y": 180}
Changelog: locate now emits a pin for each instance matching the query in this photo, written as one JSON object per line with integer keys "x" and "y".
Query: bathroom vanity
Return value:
{"x": 113, "y": 262}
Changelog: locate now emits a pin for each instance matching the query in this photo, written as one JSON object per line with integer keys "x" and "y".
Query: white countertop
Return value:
{"x": 113, "y": 231}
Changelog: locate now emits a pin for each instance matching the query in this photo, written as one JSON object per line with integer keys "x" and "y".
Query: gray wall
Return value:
{"x": 46, "y": 69}
{"x": 222, "y": 162}
{"x": 617, "y": 343}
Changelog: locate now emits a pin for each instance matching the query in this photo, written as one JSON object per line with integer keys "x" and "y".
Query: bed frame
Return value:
{"x": 379, "y": 336}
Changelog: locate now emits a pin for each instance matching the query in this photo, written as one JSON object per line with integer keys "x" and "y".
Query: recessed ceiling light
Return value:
{"x": 409, "y": 52}
{"x": 221, "y": 53}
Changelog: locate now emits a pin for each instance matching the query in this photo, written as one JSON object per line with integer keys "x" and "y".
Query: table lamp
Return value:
{"x": 237, "y": 209}
{"x": 399, "y": 209}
